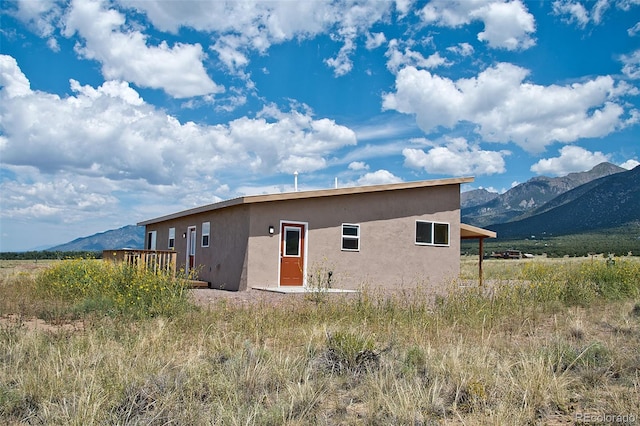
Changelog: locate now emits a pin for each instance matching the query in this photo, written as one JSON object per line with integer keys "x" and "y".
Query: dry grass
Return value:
{"x": 473, "y": 358}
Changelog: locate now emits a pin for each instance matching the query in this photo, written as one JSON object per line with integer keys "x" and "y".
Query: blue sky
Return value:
{"x": 116, "y": 112}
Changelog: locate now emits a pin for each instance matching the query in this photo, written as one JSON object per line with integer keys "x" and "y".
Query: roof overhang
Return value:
{"x": 310, "y": 194}
{"x": 470, "y": 232}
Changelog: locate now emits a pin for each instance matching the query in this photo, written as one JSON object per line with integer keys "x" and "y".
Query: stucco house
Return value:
{"x": 395, "y": 235}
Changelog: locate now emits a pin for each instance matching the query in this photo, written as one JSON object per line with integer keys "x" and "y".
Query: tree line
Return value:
{"x": 50, "y": 255}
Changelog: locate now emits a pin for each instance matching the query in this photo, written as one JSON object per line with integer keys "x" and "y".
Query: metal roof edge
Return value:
{"x": 250, "y": 199}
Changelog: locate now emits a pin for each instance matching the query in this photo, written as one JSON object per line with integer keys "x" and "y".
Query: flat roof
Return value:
{"x": 470, "y": 231}
{"x": 250, "y": 199}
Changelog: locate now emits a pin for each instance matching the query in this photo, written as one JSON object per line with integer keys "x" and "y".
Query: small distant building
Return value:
{"x": 393, "y": 236}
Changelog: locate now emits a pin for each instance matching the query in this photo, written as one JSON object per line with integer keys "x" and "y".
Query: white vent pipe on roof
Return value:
{"x": 295, "y": 181}
{"x": 335, "y": 183}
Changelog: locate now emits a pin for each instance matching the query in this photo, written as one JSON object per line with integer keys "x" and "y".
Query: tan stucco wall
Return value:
{"x": 388, "y": 254}
{"x": 222, "y": 264}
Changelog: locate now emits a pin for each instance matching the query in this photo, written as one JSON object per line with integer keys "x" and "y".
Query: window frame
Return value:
{"x": 171, "y": 243}
{"x": 350, "y": 237}
{"x": 299, "y": 242}
{"x": 433, "y": 242}
{"x": 205, "y": 239}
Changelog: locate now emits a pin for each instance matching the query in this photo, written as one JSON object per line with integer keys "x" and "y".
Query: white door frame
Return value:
{"x": 152, "y": 240}
{"x": 306, "y": 249}
{"x": 192, "y": 243}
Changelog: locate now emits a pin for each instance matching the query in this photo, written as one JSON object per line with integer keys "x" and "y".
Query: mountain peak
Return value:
{"x": 531, "y": 195}
{"x": 476, "y": 197}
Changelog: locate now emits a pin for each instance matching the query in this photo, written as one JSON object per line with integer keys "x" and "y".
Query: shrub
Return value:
{"x": 614, "y": 278}
{"x": 415, "y": 361}
{"x": 350, "y": 353}
{"x": 582, "y": 282}
{"x": 112, "y": 288}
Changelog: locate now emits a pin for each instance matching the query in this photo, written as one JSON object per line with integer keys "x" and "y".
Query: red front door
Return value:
{"x": 292, "y": 254}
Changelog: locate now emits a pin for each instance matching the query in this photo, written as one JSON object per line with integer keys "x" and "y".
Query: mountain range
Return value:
{"x": 606, "y": 196}
{"x": 482, "y": 208}
{"x": 608, "y": 202}
{"x": 129, "y": 236}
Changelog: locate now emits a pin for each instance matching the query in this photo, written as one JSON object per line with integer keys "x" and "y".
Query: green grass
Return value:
{"x": 618, "y": 241}
{"x": 525, "y": 349}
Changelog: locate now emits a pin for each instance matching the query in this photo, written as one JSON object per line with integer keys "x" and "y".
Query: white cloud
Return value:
{"x": 13, "y": 82}
{"x": 379, "y": 177}
{"x": 385, "y": 128}
{"x": 110, "y": 136}
{"x": 634, "y": 30}
{"x": 260, "y": 22}
{"x": 59, "y": 199}
{"x": 626, "y": 4}
{"x": 342, "y": 63}
{"x": 450, "y": 14}
{"x": 352, "y": 20}
{"x": 507, "y": 25}
{"x": 256, "y": 24}
{"x": 230, "y": 103}
{"x": 358, "y": 165}
{"x": 507, "y": 108}
{"x": 598, "y": 10}
{"x": 455, "y": 158}
{"x": 113, "y": 89}
{"x": 53, "y": 44}
{"x": 302, "y": 163}
{"x": 631, "y": 65}
{"x": 571, "y": 159}
{"x": 40, "y": 16}
{"x": 375, "y": 40}
{"x": 630, "y": 164}
{"x": 462, "y": 49}
{"x": 581, "y": 13}
{"x": 398, "y": 59}
{"x": 574, "y": 12}
{"x": 126, "y": 54}
{"x": 229, "y": 52}
{"x": 268, "y": 189}
{"x": 403, "y": 6}
{"x": 369, "y": 151}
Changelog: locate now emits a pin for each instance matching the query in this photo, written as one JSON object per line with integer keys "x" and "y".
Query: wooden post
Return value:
{"x": 480, "y": 256}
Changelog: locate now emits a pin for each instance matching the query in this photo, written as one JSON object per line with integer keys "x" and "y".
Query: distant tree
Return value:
{"x": 50, "y": 255}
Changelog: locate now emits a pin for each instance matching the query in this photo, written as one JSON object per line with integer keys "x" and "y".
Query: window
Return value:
{"x": 206, "y": 229}
{"x": 172, "y": 238}
{"x": 432, "y": 233}
{"x": 350, "y": 237}
{"x": 292, "y": 241}
{"x": 151, "y": 240}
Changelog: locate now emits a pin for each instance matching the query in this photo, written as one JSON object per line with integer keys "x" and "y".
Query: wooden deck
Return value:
{"x": 159, "y": 261}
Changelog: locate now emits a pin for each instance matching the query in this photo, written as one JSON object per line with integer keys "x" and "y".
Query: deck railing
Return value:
{"x": 159, "y": 261}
